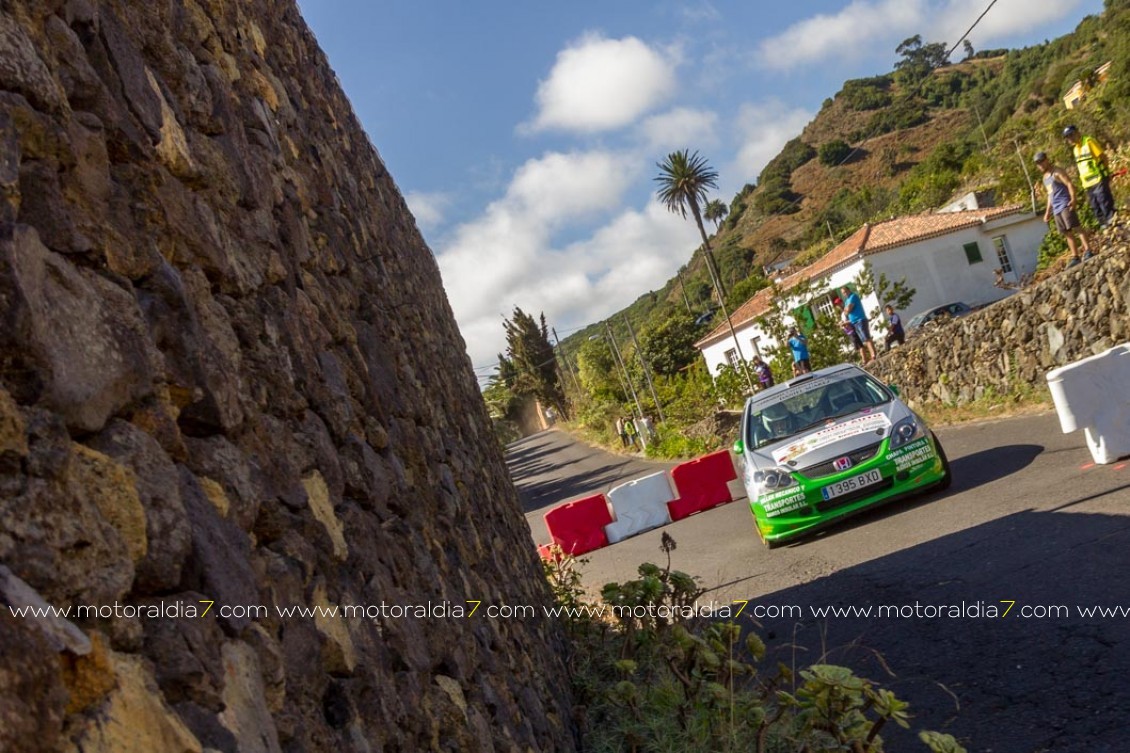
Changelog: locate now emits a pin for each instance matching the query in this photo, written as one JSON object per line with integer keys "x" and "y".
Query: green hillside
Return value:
{"x": 908, "y": 141}
{"x": 914, "y": 138}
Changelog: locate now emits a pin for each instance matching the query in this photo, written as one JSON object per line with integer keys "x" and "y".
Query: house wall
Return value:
{"x": 715, "y": 355}
{"x": 940, "y": 272}
{"x": 937, "y": 269}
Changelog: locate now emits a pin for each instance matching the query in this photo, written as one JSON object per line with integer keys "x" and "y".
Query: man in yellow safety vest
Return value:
{"x": 1094, "y": 173}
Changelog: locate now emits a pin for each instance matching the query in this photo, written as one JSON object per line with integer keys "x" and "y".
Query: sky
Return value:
{"x": 525, "y": 136}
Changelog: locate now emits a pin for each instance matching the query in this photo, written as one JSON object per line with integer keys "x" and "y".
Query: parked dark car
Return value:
{"x": 938, "y": 315}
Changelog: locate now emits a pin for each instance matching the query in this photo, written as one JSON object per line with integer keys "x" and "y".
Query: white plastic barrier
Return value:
{"x": 1094, "y": 395}
{"x": 639, "y": 505}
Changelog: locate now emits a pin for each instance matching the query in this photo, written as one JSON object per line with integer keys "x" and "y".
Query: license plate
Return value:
{"x": 849, "y": 485}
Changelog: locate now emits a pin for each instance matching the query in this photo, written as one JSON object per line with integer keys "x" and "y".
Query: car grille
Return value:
{"x": 855, "y": 496}
{"x": 827, "y": 469}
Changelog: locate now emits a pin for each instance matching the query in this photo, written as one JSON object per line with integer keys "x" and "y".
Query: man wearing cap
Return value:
{"x": 1094, "y": 173}
{"x": 1061, "y": 203}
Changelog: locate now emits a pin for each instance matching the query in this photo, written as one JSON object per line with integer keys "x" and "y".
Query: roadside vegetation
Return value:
{"x": 656, "y": 673}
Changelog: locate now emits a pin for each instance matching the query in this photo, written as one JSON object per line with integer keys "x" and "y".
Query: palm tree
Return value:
{"x": 715, "y": 211}
{"x": 683, "y": 180}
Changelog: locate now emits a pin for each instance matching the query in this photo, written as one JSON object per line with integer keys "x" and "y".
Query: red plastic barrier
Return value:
{"x": 578, "y": 526}
{"x": 701, "y": 484}
{"x": 546, "y": 552}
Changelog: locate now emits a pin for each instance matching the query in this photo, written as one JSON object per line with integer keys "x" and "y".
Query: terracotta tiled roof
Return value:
{"x": 869, "y": 239}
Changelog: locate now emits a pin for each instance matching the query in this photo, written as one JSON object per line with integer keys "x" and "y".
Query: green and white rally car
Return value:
{"x": 829, "y": 444}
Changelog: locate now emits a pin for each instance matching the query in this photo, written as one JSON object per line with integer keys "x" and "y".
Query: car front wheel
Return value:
{"x": 945, "y": 482}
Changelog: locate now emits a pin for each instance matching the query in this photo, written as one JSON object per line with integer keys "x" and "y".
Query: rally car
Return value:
{"x": 829, "y": 444}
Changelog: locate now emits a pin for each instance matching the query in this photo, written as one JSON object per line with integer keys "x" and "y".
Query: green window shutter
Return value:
{"x": 805, "y": 319}
{"x": 973, "y": 252}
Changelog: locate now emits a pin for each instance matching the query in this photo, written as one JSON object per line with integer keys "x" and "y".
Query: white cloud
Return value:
{"x": 763, "y": 130}
{"x": 600, "y": 84}
{"x": 559, "y": 186}
{"x": 679, "y": 128}
{"x": 1007, "y": 18}
{"x": 851, "y": 33}
{"x": 428, "y": 208}
{"x": 508, "y": 257}
{"x": 867, "y": 26}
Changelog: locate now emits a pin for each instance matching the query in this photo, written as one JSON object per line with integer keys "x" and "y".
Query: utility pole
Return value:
{"x": 646, "y": 369}
{"x": 981, "y": 125}
{"x": 722, "y": 298}
{"x": 683, "y": 289}
{"x": 715, "y": 275}
{"x": 1027, "y": 176}
{"x": 627, "y": 376}
{"x": 568, "y": 365}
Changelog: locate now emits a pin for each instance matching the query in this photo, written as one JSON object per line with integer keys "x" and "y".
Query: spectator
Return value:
{"x": 764, "y": 373}
{"x": 1061, "y": 203}
{"x": 630, "y": 430}
{"x": 647, "y": 428}
{"x": 1094, "y": 173}
{"x": 853, "y": 307}
{"x": 895, "y": 334}
{"x": 852, "y": 335}
{"x": 620, "y": 429}
{"x": 798, "y": 343}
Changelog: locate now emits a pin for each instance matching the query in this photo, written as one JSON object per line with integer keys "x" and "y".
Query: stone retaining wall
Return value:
{"x": 1076, "y": 313}
{"x": 229, "y": 374}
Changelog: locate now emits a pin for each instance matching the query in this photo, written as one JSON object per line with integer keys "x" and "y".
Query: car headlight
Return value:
{"x": 771, "y": 480}
{"x": 906, "y": 431}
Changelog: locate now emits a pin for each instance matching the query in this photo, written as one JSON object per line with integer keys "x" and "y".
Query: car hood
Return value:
{"x": 831, "y": 440}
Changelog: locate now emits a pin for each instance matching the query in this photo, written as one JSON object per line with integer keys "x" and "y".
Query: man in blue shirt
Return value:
{"x": 853, "y": 307}
{"x": 799, "y": 345}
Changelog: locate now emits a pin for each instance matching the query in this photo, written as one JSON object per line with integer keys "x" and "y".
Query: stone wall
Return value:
{"x": 228, "y": 373}
{"x": 1075, "y": 313}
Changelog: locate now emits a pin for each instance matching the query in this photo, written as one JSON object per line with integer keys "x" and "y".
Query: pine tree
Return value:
{"x": 530, "y": 363}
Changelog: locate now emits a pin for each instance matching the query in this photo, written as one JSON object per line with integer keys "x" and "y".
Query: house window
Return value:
{"x": 1000, "y": 243}
{"x": 732, "y": 357}
{"x": 825, "y": 307}
{"x": 754, "y": 343}
{"x": 973, "y": 252}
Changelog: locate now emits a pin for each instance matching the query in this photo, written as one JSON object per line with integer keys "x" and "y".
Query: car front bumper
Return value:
{"x": 801, "y": 508}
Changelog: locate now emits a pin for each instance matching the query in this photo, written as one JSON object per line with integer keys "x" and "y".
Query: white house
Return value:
{"x": 944, "y": 257}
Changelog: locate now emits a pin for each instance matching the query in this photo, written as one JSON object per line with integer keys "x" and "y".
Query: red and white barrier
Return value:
{"x": 578, "y": 526}
{"x": 701, "y": 484}
{"x": 639, "y": 505}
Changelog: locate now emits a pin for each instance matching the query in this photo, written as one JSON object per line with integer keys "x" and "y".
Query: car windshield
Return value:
{"x": 918, "y": 320}
{"x": 810, "y": 404}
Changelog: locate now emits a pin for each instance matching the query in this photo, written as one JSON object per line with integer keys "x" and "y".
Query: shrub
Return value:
{"x": 672, "y": 444}
{"x": 904, "y": 113}
{"x": 654, "y": 675}
{"x": 834, "y": 152}
{"x": 867, "y": 93}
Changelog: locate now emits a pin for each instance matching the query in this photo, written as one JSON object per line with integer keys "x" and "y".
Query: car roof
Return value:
{"x": 842, "y": 370}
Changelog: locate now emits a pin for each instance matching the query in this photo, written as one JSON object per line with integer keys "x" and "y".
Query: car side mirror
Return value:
{"x": 894, "y": 388}
{"x": 739, "y": 447}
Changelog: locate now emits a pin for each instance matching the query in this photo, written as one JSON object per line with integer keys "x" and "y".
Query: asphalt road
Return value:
{"x": 1030, "y": 526}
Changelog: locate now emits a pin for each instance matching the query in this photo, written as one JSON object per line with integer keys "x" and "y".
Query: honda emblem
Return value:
{"x": 842, "y": 464}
